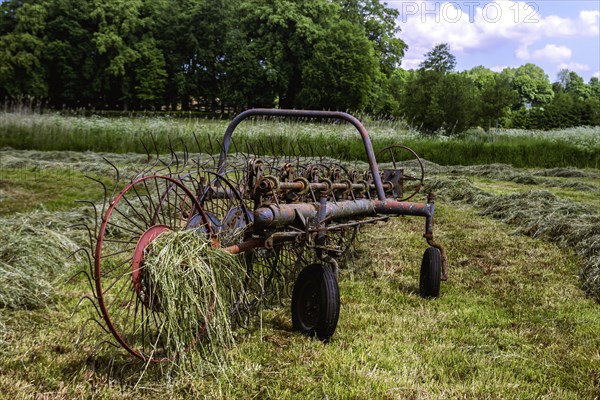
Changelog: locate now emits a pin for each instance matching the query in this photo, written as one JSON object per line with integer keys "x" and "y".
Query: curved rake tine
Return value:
{"x": 80, "y": 302}
{"x": 105, "y": 195}
{"x": 97, "y": 348}
{"x": 221, "y": 151}
{"x": 118, "y": 178}
{"x": 155, "y": 145}
{"x": 166, "y": 166}
{"x": 273, "y": 150}
{"x": 251, "y": 149}
{"x": 245, "y": 153}
{"x": 89, "y": 232}
{"x": 198, "y": 146}
{"x": 81, "y": 331}
{"x": 156, "y": 159}
{"x": 262, "y": 149}
{"x": 91, "y": 203}
{"x": 210, "y": 144}
{"x": 174, "y": 157}
{"x": 186, "y": 153}
{"x": 282, "y": 148}
{"x": 311, "y": 150}
{"x": 332, "y": 151}
{"x": 89, "y": 265}
{"x": 246, "y": 147}
{"x": 235, "y": 148}
{"x": 104, "y": 342}
{"x": 214, "y": 160}
{"x": 149, "y": 168}
{"x": 146, "y": 150}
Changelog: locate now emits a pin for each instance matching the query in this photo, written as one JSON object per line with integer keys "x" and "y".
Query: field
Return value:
{"x": 519, "y": 316}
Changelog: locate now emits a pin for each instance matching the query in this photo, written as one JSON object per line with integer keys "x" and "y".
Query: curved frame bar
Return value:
{"x": 311, "y": 114}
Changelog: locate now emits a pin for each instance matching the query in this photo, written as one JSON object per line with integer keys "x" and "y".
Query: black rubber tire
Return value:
{"x": 431, "y": 273}
{"x": 316, "y": 302}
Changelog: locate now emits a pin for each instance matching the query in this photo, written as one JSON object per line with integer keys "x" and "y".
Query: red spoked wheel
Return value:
{"x": 142, "y": 211}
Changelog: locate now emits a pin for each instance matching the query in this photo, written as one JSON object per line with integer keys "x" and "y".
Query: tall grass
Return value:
{"x": 578, "y": 147}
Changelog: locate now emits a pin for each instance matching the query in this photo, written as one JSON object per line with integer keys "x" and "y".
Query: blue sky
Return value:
{"x": 553, "y": 34}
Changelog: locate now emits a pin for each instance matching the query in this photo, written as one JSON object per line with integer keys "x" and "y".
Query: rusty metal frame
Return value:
{"x": 309, "y": 114}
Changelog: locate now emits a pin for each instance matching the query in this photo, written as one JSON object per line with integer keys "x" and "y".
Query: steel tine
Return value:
{"x": 105, "y": 195}
{"x": 118, "y": 178}
{"x": 95, "y": 214}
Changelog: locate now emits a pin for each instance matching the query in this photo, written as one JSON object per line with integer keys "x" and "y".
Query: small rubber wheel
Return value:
{"x": 431, "y": 273}
{"x": 316, "y": 302}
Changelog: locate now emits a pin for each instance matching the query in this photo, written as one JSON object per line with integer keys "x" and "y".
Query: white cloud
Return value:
{"x": 468, "y": 28}
{"x": 550, "y": 52}
{"x": 591, "y": 19}
{"x": 574, "y": 66}
{"x": 499, "y": 68}
{"x": 411, "y": 63}
{"x": 597, "y": 75}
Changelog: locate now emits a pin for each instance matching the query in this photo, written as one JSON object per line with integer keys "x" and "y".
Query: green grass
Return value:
{"x": 29, "y": 189}
{"x": 511, "y": 323}
{"x": 573, "y": 147}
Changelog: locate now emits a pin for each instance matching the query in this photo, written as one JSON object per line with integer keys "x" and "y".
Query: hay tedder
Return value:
{"x": 288, "y": 219}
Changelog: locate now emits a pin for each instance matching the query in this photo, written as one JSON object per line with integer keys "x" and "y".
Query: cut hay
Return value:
{"x": 3, "y": 334}
{"x": 507, "y": 173}
{"x": 32, "y": 258}
{"x": 568, "y": 173}
{"x": 196, "y": 288}
{"x": 538, "y": 214}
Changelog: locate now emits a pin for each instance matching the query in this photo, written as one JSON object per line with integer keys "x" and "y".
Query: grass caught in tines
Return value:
{"x": 195, "y": 287}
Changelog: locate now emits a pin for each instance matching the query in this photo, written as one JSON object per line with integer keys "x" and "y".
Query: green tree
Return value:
{"x": 280, "y": 35}
{"x": 439, "y": 59}
{"x": 531, "y": 83}
{"x": 69, "y": 58}
{"x": 496, "y": 97}
{"x": 577, "y": 86}
{"x": 594, "y": 87}
{"x": 342, "y": 71}
{"x": 379, "y": 23}
{"x": 435, "y": 101}
{"x": 22, "y": 71}
{"x": 481, "y": 76}
{"x": 127, "y": 51}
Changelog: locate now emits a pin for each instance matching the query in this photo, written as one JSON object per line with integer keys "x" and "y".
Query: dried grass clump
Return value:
{"x": 568, "y": 173}
{"x": 3, "y": 334}
{"x": 456, "y": 189}
{"x": 32, "y": 258}
{"x": 539, "y": 214}
{"x": 503, "y": 172}
{"x": 195, "y": 287}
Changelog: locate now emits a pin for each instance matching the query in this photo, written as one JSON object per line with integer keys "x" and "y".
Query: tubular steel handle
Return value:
{"x": 311, "y": 114}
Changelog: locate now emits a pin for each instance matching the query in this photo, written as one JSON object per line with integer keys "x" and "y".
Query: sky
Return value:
{"x": 553, "y": 34}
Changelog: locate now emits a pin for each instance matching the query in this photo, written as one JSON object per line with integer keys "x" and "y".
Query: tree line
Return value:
{"x": 435, "y": 98}
{"x": 222, "y": 55}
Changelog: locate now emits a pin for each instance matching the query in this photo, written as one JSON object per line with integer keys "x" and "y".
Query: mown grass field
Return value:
{"x": 512, "y": 321}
